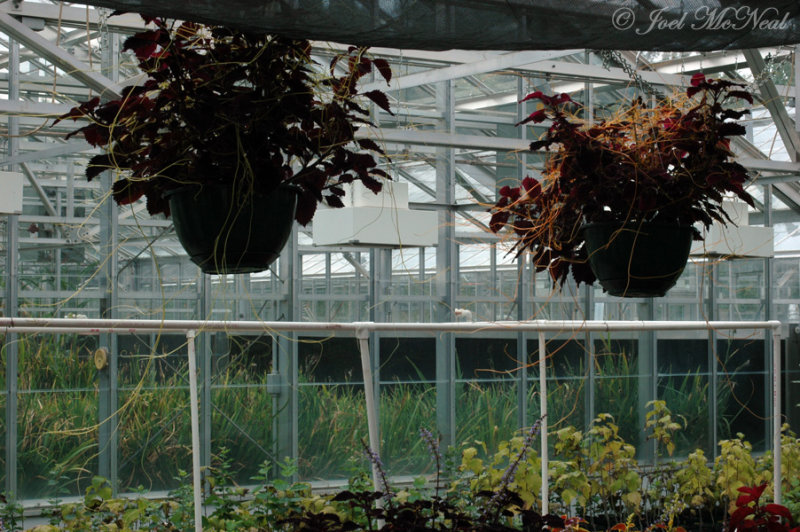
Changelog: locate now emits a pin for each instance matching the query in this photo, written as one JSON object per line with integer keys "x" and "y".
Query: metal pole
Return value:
{"x": 776, "y": 412}
{"x": 447, "y": 258}
{"x": 12, "y": 287}
{"x": 543, "y": 414}
{"x": 369, "y": 396}
{"x": 197, "y": 482}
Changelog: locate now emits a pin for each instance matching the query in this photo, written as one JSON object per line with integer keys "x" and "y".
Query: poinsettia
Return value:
{"x": 222, "y": 105}
{"x": 670, "y": 164}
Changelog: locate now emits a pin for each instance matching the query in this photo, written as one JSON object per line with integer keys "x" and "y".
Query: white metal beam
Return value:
{"x": 73, "y": 16}
{"x": 62, "y": 59}
{"x": 774, "y": 104}
{"x": 500, "y": 62}
{"x": 56, "y": 151}
{"x": 26, "y": 108}
{"x": 48, "y": 206}
{"x": 434, "y": 138}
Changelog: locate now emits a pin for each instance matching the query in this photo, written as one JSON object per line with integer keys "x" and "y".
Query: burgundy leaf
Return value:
{"x": 538, "y": 95}
{"x": 744, "y": 95}
{"x": 95, "y": 134}
{"x": 733, "y": 114}
{"x": 306, "y": 207}
{"x": 369, "y": 144}
{"x": 698, "y": 79}
{"x": 97, "y": 165}
{"x": 562, "y": 98}
{"x": 539, "y": 144}
{"x": 373, "y": 184}
{"x": 380, "y": 99}
{"x": 729, "y": 129}
{"x": 156, "y": 204}
{"x": 745, "y": 499}
{"x": 334, "y": 201}
{"x": 778, "y": 509}
{"x": 582, "y": 273}
{"x": 126, "y": 192}
{"x": 383, "y": 67}
{"x": 143, "y": 44}
{"x": 498, "y": 220}
{"x": 535, "y": 117}
{"x": 381, "y": 173}
{"x": 364, "y": 66}
{"x": 80, "y": 111}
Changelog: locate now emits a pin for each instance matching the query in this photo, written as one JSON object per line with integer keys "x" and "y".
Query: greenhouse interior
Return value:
{"x": 422, "y": 307}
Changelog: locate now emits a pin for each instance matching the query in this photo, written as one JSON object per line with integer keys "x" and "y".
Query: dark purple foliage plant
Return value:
{"x": 669, "y": 164}
{"x": 220, "y": 105}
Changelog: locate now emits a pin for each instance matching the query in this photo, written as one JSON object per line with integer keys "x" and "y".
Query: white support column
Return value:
{"x": 194, "y": 412}
{"x": 369, "y": 395}
{"x": 543, "y": 426}
{"x": 776, "y": 413}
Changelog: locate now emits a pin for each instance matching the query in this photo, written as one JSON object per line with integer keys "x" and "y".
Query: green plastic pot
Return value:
{"x": 225, "y": 232}
{"x": 637, "y": 260}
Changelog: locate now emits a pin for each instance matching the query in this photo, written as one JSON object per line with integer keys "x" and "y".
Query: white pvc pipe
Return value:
{"x": 543, "y": 426}
{"x": 132, "y": 326}
{"x": 372, "y": 410}
{"x": 195, "y": 414}
{"x": 776, "y": 414}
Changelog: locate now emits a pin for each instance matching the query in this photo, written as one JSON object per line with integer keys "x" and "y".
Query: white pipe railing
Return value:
{"x": 194, "y": 412}
{"x": 361, "y": 331}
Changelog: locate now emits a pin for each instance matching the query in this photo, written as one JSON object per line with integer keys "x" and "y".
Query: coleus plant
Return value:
{"x": 221, "y": 105}
{"x": 669, "y": 164}
{"x": 751, "y": 514}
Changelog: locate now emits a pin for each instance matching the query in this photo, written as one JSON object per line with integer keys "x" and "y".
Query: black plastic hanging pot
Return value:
{"x": 226, "y": 232}
{"x": 637, "y": 260}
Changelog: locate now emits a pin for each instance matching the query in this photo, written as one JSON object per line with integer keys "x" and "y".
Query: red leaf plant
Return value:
{"x": 671, "y": 163}
{"x": 222, "y": 105}
{"x": 750, "y": 514}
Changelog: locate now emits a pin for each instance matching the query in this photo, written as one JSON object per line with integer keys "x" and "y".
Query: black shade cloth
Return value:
{"x": 501, "y": 24}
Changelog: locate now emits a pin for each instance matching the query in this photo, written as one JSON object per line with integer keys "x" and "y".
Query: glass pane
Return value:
{"x": 154, "y": 420}
{"x": 687, "y": 398}
{"x": 332, "y": 422}
{"x": 57, "y": 415}
{"x": 486, "y": 411}
{"x": 742, "y": 393}
{"x": 405, "y": 409}
{"x": 684, "y": 384}
{"x": 242, "y": 426}
{"x": 617, "y": 388}
{"x": 241, "y": 406}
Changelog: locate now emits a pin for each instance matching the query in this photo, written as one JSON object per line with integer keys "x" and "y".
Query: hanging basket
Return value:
{"x": 637, "y": 260}
{"x": 225, "y": 232}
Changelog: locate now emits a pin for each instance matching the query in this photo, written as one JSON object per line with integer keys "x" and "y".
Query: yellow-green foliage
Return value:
{"x": 567, "y": 478}
{"x": 790, "y": 456}
{"x": 661, "y": 425}
{"x": 612, "y": 467}
{"x": 695, "y": 480}
{"x": 527, "y": 482}
{"x": 734, "y": 468}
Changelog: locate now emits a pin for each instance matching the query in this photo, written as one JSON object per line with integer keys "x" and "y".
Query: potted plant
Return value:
{"x": 619, "y": 199}
{"x": 235, "y": 135}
